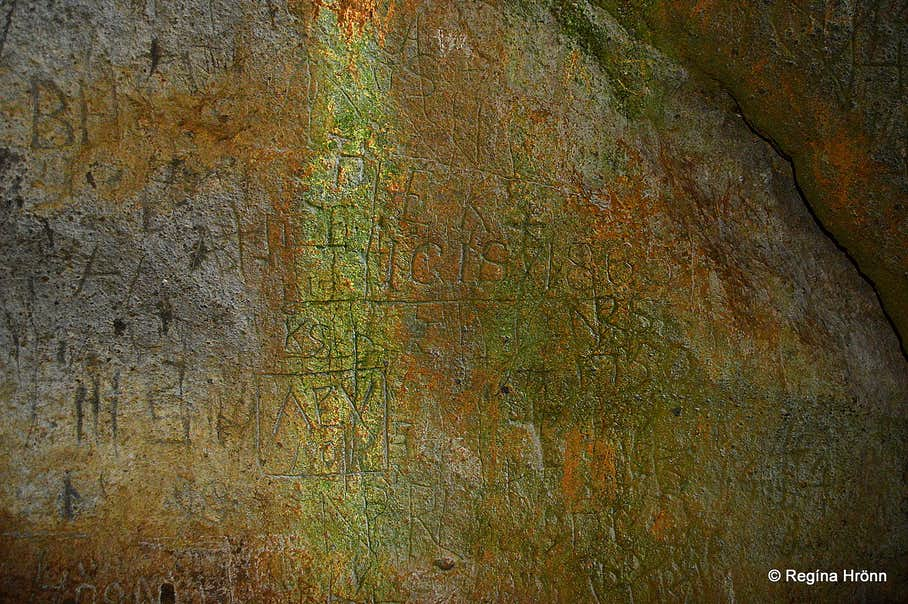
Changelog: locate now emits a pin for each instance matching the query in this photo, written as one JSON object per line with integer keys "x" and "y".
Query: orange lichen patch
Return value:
{"x": 758, "y": 69}
{"x": 702, "y": 6}
{"x": 353, "y": 16}
{"x": 623, "y": 205}
{"x": 241, "y": 117}
{"x": 589, "y": 470}
{"x": 841, "y": 166}
{"x": 661, "y": 524}
{"x": 603, "y": 467}
{"x": 539, "y": 116}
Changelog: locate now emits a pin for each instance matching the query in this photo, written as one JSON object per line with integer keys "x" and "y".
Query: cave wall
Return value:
{"x": 432, "y": 302}
{"x": 826, "y": 83}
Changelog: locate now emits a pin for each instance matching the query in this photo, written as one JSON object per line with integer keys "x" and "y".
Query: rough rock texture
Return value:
{"x": 448, "y": 302}
{"x": 827, "y": 81}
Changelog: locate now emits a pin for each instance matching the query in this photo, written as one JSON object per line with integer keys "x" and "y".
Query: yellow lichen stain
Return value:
{"x": 256, "y": 119}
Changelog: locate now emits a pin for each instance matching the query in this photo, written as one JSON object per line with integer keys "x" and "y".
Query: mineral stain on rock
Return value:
{"x": 380, "y": 301}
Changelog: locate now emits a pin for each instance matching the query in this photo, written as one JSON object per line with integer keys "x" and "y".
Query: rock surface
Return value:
{"x": 450, "y": 302}
{"x": 827, "y": 83}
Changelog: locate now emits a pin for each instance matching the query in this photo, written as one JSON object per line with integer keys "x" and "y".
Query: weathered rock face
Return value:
{"x": 431, "y": 302}
{"x": 827, "y": 82}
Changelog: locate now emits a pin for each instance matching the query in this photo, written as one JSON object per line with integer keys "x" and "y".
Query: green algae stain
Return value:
{"x": 341, "y": 341}
{"x": 558, "y": 335}
{"x": 548, "y": 417}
